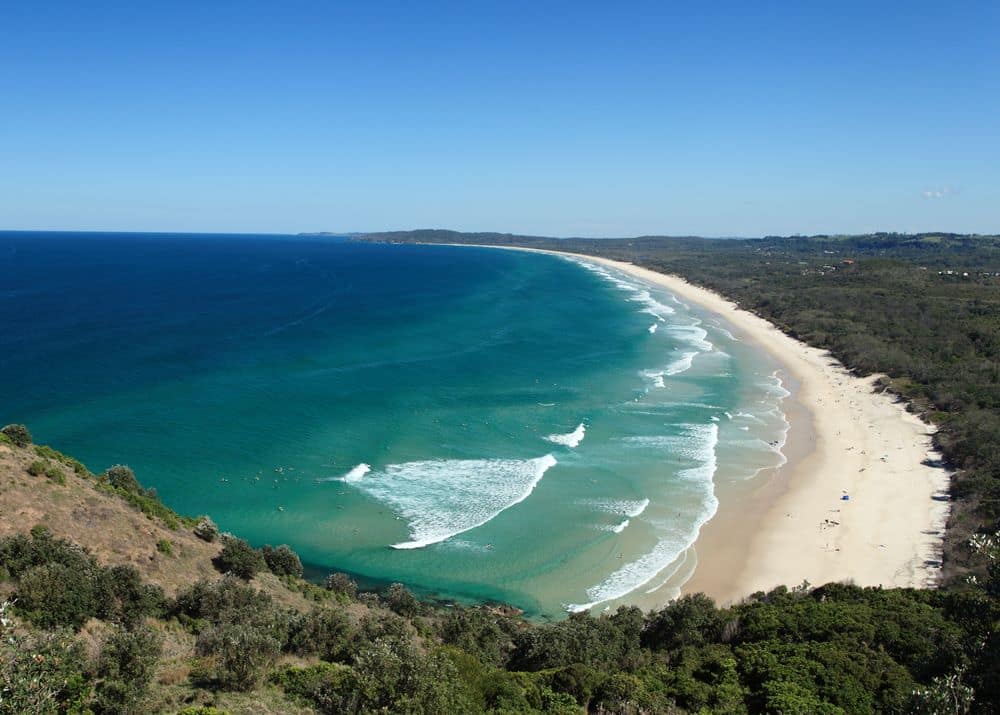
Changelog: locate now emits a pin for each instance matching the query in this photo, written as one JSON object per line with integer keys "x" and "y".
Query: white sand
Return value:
{"x": 861, "y": 444}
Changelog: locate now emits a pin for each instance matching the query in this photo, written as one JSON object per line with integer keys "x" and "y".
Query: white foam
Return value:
{"x": 570, "y": 439}
{"x": 619, "y": 528}
{"x": 639, "y": 294}
{"x": 355, "y": 475}
{"x": 626, "y": 507}
{"x": 726, "y": 333}
{"x": 652, "y": 306}
{"x": 655, "y": 376}
{"x": 442, "y": 498}
{"x": 675, "y": 539}
{"x": 752, "y": 418}
{"x": 681, "y": 364}
{"x": 652, "y": 328}
{"x": 693, "y": 334}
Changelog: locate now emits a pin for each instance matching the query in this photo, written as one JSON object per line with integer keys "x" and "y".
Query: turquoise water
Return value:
{"x": 476, "y": 423}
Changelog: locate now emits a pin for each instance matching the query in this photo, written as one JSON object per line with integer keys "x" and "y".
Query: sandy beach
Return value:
{"x": 855, "y": 501}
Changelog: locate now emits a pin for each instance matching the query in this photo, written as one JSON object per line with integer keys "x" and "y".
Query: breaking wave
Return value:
{"x": 570, "y": 439}
{"x": 697, "y": 442}
{"x": 442, "y": 498}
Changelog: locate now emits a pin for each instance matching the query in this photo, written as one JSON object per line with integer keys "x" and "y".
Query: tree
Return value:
{"x": 54, "y": 595}
{"x": 282, "y": 561}
{"x": 126, "y": 666}
{"x": 400, "y": 600}
{"x": 123, "y": 598}
{"x": 206, "y": 530}
{"x": 240, "y": 559}
{"x": 343, "y": 584}
{"x": 122, "y": 477}
{"x": 17, "y": 434}
{"x": 243, "y": 654}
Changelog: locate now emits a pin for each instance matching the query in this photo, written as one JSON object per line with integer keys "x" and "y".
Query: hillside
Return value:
{"x": 116, "y": 604}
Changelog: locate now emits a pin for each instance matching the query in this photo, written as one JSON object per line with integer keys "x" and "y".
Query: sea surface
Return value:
{"x": 478, "y": 424}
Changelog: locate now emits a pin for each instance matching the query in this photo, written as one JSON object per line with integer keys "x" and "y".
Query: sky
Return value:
{"x": 553, "y": 118}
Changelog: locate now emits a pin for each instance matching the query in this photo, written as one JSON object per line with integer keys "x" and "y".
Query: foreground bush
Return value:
{"x": 42, "y": 673}
{"x": 126, "y": 666}
{"x": 54, "y": 595}
{"x": 242, "y": 654}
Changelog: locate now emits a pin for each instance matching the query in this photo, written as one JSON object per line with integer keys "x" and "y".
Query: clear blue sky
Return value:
{"x": 576, "y": 118}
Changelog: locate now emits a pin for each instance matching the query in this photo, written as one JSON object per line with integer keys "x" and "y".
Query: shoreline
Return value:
{"x": 790, "y": 524}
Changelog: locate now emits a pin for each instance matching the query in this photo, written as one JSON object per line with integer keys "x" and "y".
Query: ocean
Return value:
{"x": 477, "y": 424}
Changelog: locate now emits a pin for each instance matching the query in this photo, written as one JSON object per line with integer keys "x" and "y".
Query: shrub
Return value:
{"x": 165, "y": 547}
{"x": 126, "y": 665}
{"x": 243, "y": 654}
{"x": 240, "y": 559}
{"x": 206, "y": 530}
{"x": 478, "y": 632}
{"x": 48, "y": 453}
{"x": 123, "y": 478}
{"x": 343, "y": 584}
{"x": 282, "y": 561}
{"x": 220, "y": 601}
{"x": 19, "y": 553}
{"x": 40, "y": 674}
{"x": 123, "y": 598}
{"x": 17, "y": 434}
{"x": 690, "y": 620}
{"x": 55, "y": 474}
{"x": 39, "y": 467}
{"x": 54, "y": 594}
{"x": 400, "y": 600}
{"x": 323, "y": 632}
{"x": 393, "y": 676}
{"x": 331, "y": 688}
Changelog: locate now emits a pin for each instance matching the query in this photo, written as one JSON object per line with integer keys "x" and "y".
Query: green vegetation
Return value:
{"x": 122, "y": 478}
{"x": 17, "y": 435}
{"x": 165, "y": 547}
{"x": 343, "y": 584}
{"x": 282, "y": 561}
{"x": 125, "y": 670}
{"x": 239, "y": 558}
{"x": 206, "y": 530}
{"x": 59, "y": 585}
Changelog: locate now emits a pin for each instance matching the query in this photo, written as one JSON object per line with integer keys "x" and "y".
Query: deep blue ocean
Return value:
{"x": 476, "y": 423}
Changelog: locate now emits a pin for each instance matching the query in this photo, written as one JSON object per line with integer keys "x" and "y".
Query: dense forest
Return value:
{"x": 154, "y": 612}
